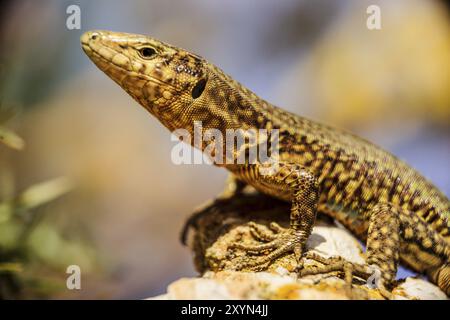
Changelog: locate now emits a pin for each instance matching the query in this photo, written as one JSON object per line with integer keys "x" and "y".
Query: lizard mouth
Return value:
{"x": 85, "y": 40}
{"x": 95, "y": 49}
{"x": 113, "y": 63}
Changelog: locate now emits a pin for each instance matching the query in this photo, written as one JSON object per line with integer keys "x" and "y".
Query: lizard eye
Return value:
{"x": 198, "y": 88}
{"x": 147, "y": 52}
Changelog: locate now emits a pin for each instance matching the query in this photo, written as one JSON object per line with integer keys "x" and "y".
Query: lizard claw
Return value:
{"x": 370, "y": 273}
{"x": 276, "y": 240}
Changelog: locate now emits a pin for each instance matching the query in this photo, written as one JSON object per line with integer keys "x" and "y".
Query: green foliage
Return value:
{"x": 34, "y": 251}
{"x": 11, "y": 139}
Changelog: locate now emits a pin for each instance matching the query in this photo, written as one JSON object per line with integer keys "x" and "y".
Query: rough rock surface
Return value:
{"x": 212, "y": 229}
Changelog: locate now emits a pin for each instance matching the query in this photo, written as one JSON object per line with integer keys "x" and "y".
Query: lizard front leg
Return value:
{"x": 303, "y": 189}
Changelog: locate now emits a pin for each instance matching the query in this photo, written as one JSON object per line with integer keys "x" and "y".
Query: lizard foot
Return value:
{"x": 338, "y": 264}
{"x": 276, "y": 239}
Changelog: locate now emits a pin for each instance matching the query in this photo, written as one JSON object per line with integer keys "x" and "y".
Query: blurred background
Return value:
{"x": 85, "y": 173}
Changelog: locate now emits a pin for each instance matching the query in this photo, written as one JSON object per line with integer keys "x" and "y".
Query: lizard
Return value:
{"x": 401, "y": 216}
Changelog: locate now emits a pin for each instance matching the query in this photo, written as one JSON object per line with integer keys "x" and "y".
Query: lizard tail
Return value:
{"x": 441, "y": 277}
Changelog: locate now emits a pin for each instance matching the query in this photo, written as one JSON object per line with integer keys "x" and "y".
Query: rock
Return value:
{"x": 264, "y": 285}
{"x": 211, "y": 230}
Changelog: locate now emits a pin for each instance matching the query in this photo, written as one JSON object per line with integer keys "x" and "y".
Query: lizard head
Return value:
{"x": 165, "y": 80}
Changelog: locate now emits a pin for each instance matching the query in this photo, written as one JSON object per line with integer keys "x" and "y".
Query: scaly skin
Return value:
{"x": 374, "y": 194}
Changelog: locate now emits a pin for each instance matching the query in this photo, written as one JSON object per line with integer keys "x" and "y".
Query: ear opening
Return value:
{"x": 198, "y": 88}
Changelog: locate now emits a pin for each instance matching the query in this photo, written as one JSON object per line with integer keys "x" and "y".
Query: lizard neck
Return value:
{"x": 233, "y": 106}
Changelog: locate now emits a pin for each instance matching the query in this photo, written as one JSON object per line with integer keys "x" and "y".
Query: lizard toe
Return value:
{"x": 284, "y": 242}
